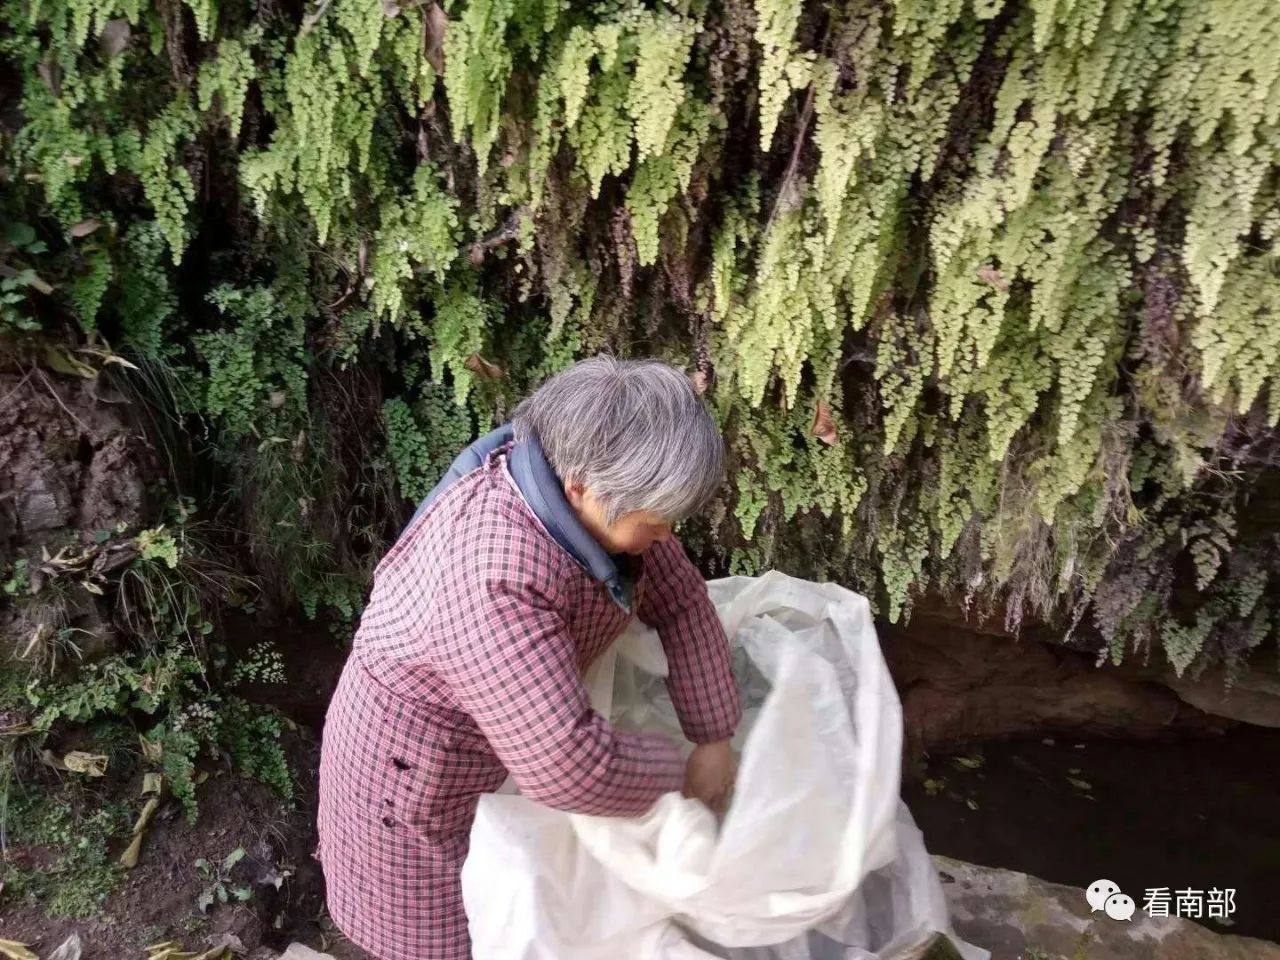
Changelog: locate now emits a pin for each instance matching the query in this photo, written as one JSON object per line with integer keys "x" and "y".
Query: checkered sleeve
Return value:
{"x": 675, "y": 602}
{"x": 514, "y": 669}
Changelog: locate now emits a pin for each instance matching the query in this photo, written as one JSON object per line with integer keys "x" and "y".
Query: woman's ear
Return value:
{"x": 574, "y": 493}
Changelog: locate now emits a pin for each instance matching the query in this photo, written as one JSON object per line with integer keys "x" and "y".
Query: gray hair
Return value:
{"x": 634, "y": 432}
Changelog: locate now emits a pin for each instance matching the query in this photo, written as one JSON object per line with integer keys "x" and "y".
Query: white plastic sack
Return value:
{"x": 817, "y": 857}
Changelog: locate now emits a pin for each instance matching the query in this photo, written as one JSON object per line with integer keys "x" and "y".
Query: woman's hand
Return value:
{"x": 709, "y": 774}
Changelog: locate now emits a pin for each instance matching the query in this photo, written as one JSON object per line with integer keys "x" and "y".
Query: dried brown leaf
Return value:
{"x": 436, "y": 23}
{"x": 824, "y": 425}
{"x": 64, "y": 362}
{"x": 115, "y": 36}
{"x": 90, "y": 764}
{"x": 152, "y": 750}
{"x": 16, "y": 951}
{"x": 84, "y": 228}
{"x": 479, "y": 365}
{"x": 989, "y": 274}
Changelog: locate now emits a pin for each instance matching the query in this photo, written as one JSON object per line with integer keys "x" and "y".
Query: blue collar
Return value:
{"x": 544, "y": 493}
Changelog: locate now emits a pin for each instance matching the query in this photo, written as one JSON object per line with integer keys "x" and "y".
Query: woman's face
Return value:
{"x": 632, "y": 532}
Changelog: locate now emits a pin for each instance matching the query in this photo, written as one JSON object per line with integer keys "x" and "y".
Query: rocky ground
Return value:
{"x": 1018, "y": 917}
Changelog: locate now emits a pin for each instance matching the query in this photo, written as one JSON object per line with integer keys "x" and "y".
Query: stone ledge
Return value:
{"x": 1020, "y": 917}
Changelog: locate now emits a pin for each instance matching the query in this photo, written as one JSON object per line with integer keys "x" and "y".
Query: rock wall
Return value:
{"x": 72, "y": 463}
{"x": 959, "y": 682}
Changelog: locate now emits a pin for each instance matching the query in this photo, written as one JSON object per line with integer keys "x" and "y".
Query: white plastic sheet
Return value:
{"x": 817, "y": 857}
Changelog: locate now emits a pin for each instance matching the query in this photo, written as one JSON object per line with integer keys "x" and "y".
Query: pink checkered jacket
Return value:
{"x": 467, "y": 665}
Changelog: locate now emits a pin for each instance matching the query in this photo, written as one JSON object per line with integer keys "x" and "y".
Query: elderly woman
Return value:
{"x": 519, "y": 569}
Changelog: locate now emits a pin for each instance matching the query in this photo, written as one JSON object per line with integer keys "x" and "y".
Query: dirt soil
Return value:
{"x": 157, "y": 900}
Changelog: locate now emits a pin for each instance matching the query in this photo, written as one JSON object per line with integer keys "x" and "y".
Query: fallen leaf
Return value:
{"x": 16, "y": 951}
{"x": 824, "y": 425}
{"x": 478, "y": 364}
{"x": 91, "y": 764}
{"x": 989, "y": 274}
{"x": 152, "y": 750}
{"x": 84, "y": 228}
{"x": 62, "y": 362}
{"x": 436, "y": 23}
{"x": 232, "y": 858}
{"x": 91, "y": 587}
{"x": 115, "y": 36}
{"x": 37, "y": 635}
{"x": 1080, "y": 784}
{"x": 971, "y": 803}
{"x": 129, "y": 858}
{"x": 228, "y": 941}
{"x": 106, "y": 356}
{"x": 69, "y": 950}
{"x": 152, "y": 783}
{"x": 29, "y": 277}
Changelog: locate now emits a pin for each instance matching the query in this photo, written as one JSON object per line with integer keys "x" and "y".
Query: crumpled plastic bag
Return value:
{"x": 817, "y": 857}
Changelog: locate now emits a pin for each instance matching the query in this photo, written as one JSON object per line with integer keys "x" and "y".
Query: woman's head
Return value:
{"x": 632, "y": 443}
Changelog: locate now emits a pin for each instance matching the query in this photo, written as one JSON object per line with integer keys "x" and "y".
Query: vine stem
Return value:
{"x": 806, "y": 115}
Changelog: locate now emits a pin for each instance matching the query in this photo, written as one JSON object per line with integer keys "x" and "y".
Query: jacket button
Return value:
{"x": 387, "y": 821}
{"x": 399, "y": 764}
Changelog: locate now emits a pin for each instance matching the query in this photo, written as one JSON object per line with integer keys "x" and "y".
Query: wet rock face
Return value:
{"x": 70, "y": 461}
{"x": 958, "y": 684}
{"x": 1015, "y": 916}
{"x": 963, "y": 679}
